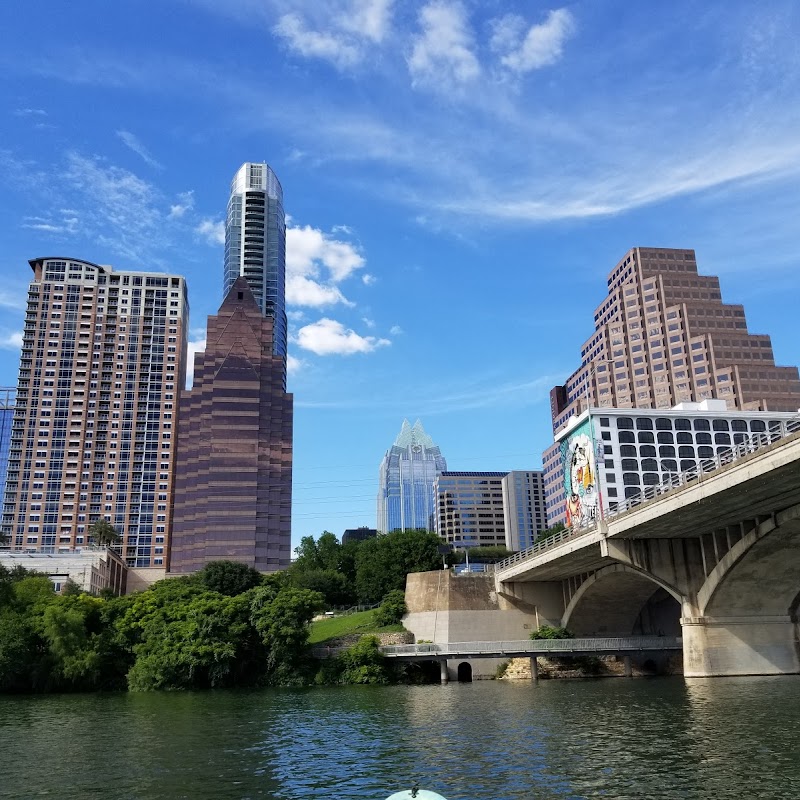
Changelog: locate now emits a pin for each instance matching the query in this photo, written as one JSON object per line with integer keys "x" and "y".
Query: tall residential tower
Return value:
{"x": 406, "y": 478}
{"x": 94, "y": 428}
{"x": 255, "y": 244}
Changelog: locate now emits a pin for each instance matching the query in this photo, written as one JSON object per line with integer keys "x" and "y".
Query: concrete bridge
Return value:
{"x": 712, "y": 556}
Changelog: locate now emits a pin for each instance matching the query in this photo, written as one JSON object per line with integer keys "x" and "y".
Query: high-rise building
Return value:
{"x": 94, "y": 427}
{"x": 7, "y": 402}
{"x": 524, "y": 508}
{"x": 358, "y": 534}
{"x": 233, "y": 485}
{"x": 663, "y": 336}
{"x": 469, "y": 508}
{"x": 255, "y": 244}
{"x": 405, "y": 482}
{"x": 503, "y": 509}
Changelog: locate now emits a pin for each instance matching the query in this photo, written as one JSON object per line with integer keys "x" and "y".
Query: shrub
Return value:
{"x": 392, "y": 609}
{"x": 551, "y": 632}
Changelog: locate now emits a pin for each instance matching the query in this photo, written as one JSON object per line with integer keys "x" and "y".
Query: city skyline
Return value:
{"x": 459, "y": 178}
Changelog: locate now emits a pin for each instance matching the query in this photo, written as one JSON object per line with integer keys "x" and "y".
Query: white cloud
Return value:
{"x": 395, "y": 330}
{"x": 132, "y": 142}
{"x": 315, "y": 44}
{"x": 442, "y": 56}
{"x": 543, "y": 44}
{"x": 66, "y": 222}
{"x": 329, "y": 337}
{"x": 13, "y": 299}
{"x": 309, "y": 248}
{"x": 370, "y": 323}
{"x": 368, "y": 279}
{"x": 11, "y": 341}
{"x": 302, "y": 291}
{"x": 338, "y": 32}
{"x": 212, "y": 231}
{"x": 296, "y": 315}
{"x": 185, "y": 203}
{"x": 30, "y": 112}
{"x": 294, "y": 364}
{"x": 193, "y": 346}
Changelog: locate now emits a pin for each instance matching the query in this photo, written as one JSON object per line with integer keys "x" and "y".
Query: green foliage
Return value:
{"x": 546, "y": 534}
{"x": 103, "y": 533}
{"x": 332, "y": 585}
{"x": 383, "y": 562}
{"x": 364, "y": 663}
{"x": 392, "y": 609}
{"x": 502, "y": 669}
{"x": 551, "y": 632}
{"x": 228, "y": 577}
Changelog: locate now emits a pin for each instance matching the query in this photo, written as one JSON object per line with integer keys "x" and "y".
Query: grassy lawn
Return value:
{"x": 360, "y": 622}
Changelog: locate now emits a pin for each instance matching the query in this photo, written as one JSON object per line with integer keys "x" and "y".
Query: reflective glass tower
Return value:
{"x": 407, "y": 475}
{"x": 255, "y": 244}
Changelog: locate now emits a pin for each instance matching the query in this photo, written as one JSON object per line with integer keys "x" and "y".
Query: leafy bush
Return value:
{"x": 551, "y": 632}
{"x": 392, "y": 609}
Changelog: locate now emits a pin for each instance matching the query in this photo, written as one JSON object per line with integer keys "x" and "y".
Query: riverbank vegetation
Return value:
{"x": 227, "y": 625}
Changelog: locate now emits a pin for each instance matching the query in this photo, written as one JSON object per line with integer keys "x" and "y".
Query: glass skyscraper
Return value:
{"x": 7, "y": 399}
{"x": 255, "y": 244}
{"x": 407, "y": 475}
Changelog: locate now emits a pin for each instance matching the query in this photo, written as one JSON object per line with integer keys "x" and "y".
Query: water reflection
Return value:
{"x": 558, "y": 740}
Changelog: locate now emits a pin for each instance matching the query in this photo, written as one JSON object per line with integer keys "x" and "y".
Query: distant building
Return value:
{"x": 358, "y": 534}
{"x": 233, "y": 485}
{"x": 610, "y": 454}
{"x": 92, "y": 569}
{"x": 523, "y": 508}
{"x": 406, "y": 477}
{"x": 663, "y": 336}
{"x": 255, "y": 245}
{"x": 94, "y": 432}
{"x": 7, "y": 402}
{"x": 470, "y": 508}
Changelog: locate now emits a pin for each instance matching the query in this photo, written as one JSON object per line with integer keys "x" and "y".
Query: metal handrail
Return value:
{"x": 753, "y": 443}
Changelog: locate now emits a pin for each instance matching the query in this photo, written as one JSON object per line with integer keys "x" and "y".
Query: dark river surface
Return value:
{"x": 614, "y": 738}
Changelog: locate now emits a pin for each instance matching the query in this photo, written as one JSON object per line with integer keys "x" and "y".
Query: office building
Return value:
{"x": 470, "y": 508}
{"x": 504, "y": 509}
{"x": 7, "y": 402}
{"x": 358, "y": 534}
{"x": 523, "y": 508}
{"x": 405, "y": 482}
{"x": 663, "y": 336}
{"x": 233, "y": 486}
{"x": 255, "y": 245}
{"x": 94, "y": 427}
{"x": 611, "y": 454}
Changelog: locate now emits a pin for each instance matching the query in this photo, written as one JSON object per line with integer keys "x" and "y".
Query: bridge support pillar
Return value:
{"x": 627, "y": 664}
{"x": 534, "y": 668}
{"x": 443, "y": 671}
{"x": 753, "y": 645}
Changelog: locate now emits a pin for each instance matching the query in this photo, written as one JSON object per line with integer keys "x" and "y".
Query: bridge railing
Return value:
{"x": 751, "y": 444}
{"x": 585, "y": 645}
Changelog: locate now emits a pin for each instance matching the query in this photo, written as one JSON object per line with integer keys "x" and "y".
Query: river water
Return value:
{"x": 620, "y": 739}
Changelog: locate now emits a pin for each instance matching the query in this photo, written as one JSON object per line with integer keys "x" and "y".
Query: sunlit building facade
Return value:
{"x": 7, "y": 401}
{"x": 406, "y": 480}
{"x": 94, "y": 429}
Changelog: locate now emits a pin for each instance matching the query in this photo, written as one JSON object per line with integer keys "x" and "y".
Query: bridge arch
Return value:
{"x": 611, "y": 601}
{"x": 760, "y": 574}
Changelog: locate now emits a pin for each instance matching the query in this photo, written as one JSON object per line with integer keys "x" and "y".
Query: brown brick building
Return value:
{"x": 663, "y": 336}
{"x": 233, "y": 474}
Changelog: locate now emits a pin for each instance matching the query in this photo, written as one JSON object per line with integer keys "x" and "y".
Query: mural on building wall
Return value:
{"x": 580, "y": 477}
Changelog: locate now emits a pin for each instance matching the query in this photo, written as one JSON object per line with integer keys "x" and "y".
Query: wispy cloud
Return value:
{"x": 442, "y": 56}
{"x": 11, "y": 341}
{"x": 185, "y": 203}
{"x": 542, "y": 44}
{"x": 132, "y": 142}
{"x": 30, "y": 112}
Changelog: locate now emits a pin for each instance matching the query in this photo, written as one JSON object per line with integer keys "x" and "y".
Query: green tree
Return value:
{"x": 103, "y": 533}
{"x": 332, "y": 585}
{"x": 551, "y": 632}
{"x": 392, "y": 609}
{"x": 383, "y": 562}
{"x": 281, "y": 620}
{"x": 229, "y": 577}
{"x": 364, "y": 663}
{"x": 20, "y": 652}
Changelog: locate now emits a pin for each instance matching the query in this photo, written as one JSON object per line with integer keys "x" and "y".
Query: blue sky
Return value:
{"x": 460, "y": 178}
